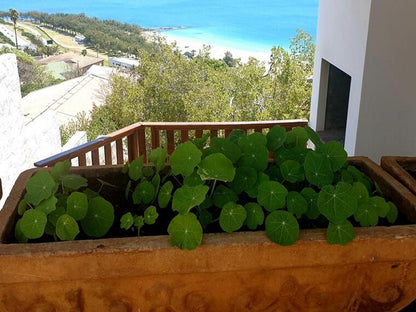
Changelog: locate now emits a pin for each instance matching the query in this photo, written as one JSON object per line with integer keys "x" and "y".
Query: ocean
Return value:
{"x": 251, "y": 25}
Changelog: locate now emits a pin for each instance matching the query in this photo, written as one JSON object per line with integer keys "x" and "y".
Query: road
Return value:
{"x": 9, "y": 33}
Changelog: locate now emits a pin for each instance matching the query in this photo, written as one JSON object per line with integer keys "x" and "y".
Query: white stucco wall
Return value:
{"x": 12, "y": 159}
{"x": 373, "y": 41}
{"x": 341, "y": 40}
{"x": 387, "y": 124}
{"x": 21, "y": 145}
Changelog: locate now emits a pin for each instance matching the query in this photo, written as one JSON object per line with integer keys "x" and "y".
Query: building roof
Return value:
{"x": 71, "y": 58}
{"x": 126, "y": 60}
{"x": 70, "y": 97}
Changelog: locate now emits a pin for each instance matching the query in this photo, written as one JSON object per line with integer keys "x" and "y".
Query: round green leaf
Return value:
{"x": 361, "y": 192}
{"x": 297, "y": 137}
{"x": 204, "y": 217}
{"x": 296, "y": 153}
{"x": 50, "y": 229}
{"x": 136, "y": 169}
{"x": 216, "y": 167}
{"x": 235, "y": 135}
{"x": 393, "y": 212}
{"x": 256, "y": 156}
{"x": 73, "y": 181}
{"x": 165, "y": 193}
{"x": 185, "y": 231}
{"x": 48, "y": 205}
{"x": 381, "y": 206}
{"x": 22, "y": 207}
{"x": 147, "y": 171}
{"x": 250, "y": 142}
{"x": 244, "y": 179}
{"x": 292, "y": 171}
{"x": 282, "y": 228}
{"x": 39, "y": 187}
{"x": 66, "y": 227}
{"x": 232, "y": 217}
{"x": 150, "y": 215}
{"x": 18, "y": 234}
{"x": 54, "y": 215}
{"x": 60, "y": 169}
{"x": 366, "y": 214}
{"x": 340, "y": 234}
{"x": 223, "y": 195}
{"x": 138, "y": 222}
{"x": 185, "y": 158}
{"x": 275, "y": 138}
{"x": 77, "y": 205}
{"x": 144, "y": 193}
{"x": 156, "y": 184}
{"x": 99, "y": 218}
{"x": 359, "y": 176}
{"x": 255, "y": 215}
{"x": 318, "y": 169}
{"x": 335, "y": 153}
{"x": 337, "y": 203}
{"x": 127, "y": 190}
{"x": 126, "y": 221}
{"x": 226, "y": 147}
{"x": 312, "y": 199}
{"x": 313, "y": 136}
{"x": 33, "y": 223}
{"x": 296, "y": 204}
{"x": 158, "y": 158}
{"x": 193, "y": 179}
{"x": 187, "y": 197}
{"x": 271, "y": 195}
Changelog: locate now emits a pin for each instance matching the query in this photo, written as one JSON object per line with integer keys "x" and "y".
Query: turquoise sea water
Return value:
{"x": 254, "y": 25}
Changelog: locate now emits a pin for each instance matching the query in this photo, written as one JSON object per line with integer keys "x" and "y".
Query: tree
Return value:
{"x": 84, "y": 52}
{"x": 14, "y": 15}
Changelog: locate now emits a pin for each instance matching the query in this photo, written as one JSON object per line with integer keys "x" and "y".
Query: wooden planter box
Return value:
{"x": 399, "y": 168}
{"x": 228, "y": 272}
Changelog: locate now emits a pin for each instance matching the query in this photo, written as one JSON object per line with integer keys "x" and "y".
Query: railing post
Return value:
{"x": 132, "y": 146}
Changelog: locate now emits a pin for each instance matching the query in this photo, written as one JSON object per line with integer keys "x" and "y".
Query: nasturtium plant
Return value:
{"x": 99, "y": 218}
{"x": 292, "y": 171}
{"x": 158, "y": 158}
{"x": 282, "y": 228}
{"x": 232, "y": 217}
{"x": 297, "y": 137}
{"x": 32, "y": 225}
{"x": 135, "y": 169}
{"x": 73, "y": 181}
{"x": 341, "y": 233}
{"x": 66, "y": 227}
{"x": 185, "y": 231}
{"x": 275, "y": 138}
{"x": 77, "y": 205}
{"x": 230, "y": 150}
{"x": 165, "y": 194}
{"x": 334, "y": 152}
{"x": 150, "y": 215}
{"x": 187, "y": 197}
{"x": 126, "y": 221}
{"x": 216, "y": 167}
{"x": 185, "y": 158}
{"x": 296, "y": 204}
{"x": 255, "y": 215}
{"x": 39, "y": 187}
{"x": 272, "y": 195}
{"x": 318, "y": 169}
{"x": 223, "y": 195}
{"x": 244, "y": 179}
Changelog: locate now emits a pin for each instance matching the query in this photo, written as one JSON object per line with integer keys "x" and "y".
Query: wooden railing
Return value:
{"x": 138, "y": 139}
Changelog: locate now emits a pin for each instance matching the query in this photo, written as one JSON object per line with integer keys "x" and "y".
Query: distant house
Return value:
{"x": 80, "y": 38}
{"x": 74, "y": 63}
{"x": 123, "y": 62}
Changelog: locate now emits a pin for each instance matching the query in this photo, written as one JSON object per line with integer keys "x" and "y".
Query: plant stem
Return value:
{"x": 213, "y": 188}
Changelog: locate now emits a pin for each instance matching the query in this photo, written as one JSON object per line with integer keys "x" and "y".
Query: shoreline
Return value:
{"x": 217, "y": 51}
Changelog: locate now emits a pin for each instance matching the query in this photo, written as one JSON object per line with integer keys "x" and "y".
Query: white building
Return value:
{"x": 123, "y": 62}
{"x": 364, "y": 91}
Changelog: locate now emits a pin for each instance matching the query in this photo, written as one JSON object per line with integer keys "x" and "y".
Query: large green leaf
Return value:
{"x": 54, "y": 215}
{"x": 292, "y": 171}
{"x": 136, "y": 168}
{"x": 312, "y": 199}
{"x": 282, "y": 228}
{"x": 66, "y": 227}
{"x": 158, "y": 158}
{"x": 255, "y": 156}
{"x": 39, "y": 187}
{"x": 366, "y": 214}
{"x": 216, "y": 167}
{"x": 21, "y": 238}
{"x": 77, "y": 205}
{"x": 337, "y": 203}
{"x": 361, "y": 192}
{"x": 150, "y": 215}
{"x": 295, "y": 153}
{"x": 73, "y": 181}
{"x": 297, "y": 137}
{"x": 185, "y": 231}
{"x": 255, "y": 215}
{"x": 165, "y": 194}
{"x": 232, "y": 217}
{"x": 60, "y": 169}
{"x": 144, "y": 193}
{"x": 313, "y": 136}
{"x": 187, "y": 197}
{"x": 231, "y": 150}
{"x": 236, "y": 135}
{"x": 99, "y": 219}
{"x": 223, "y": 195}
{"x": 244, "y": 179}
{"x": 275, "y": 138}
{"x": 340, "y": 234}
{"x": 185, "y": 158}
{"x": 271, "y": 195}
{"x": 33, "y": 223}
{"x": 193, "y": 179}
{"x": 382, "y": 207}
{"x": 48, "y": 205}
{"x": 250, "y": 142}
{"x": 318, "y": 169}
{"x": 296, "y": 204}
{"x": 334, "y": 151}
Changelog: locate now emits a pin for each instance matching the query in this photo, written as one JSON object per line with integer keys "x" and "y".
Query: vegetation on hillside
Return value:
{"x": 169, "y": 86}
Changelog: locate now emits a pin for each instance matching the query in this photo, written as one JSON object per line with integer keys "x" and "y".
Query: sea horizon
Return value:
{"x": 238, "y": 26}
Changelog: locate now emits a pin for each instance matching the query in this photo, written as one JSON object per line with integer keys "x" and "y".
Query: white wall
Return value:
{"x": 21, "y": 145}
{"x": 341, "y": 40}
{"x": 387, "y": 124}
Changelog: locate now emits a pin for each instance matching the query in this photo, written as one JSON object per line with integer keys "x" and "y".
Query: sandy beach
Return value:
{"x": 217, "y": 51}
